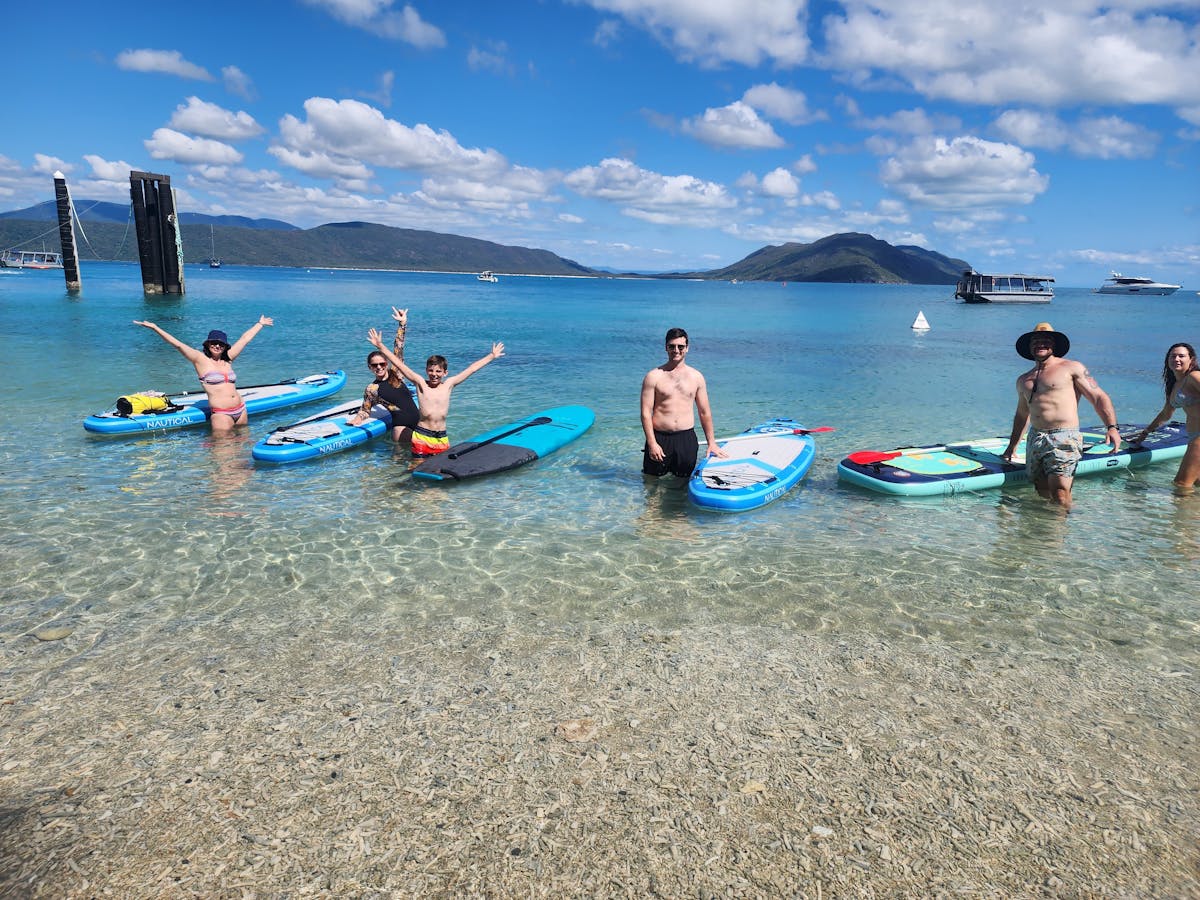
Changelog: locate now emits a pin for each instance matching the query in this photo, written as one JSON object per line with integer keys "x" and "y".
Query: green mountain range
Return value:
{"x": 105, "y": 232}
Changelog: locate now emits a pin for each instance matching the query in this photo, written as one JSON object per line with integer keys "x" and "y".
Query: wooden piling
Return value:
{"x": 160, "y": 242}
{"x": 66, "y": 233}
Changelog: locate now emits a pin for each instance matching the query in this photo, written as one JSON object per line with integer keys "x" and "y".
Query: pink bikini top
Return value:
{"x": 219, "y": 377}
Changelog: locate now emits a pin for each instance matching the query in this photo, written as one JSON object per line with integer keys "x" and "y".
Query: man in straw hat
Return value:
{"x": 1048, "y": 401}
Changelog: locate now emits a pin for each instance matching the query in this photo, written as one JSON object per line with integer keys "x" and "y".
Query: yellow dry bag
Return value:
{"x": 137, "y": 404}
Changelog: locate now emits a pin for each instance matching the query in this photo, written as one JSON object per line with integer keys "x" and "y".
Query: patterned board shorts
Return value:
{"x": 1054, "y": 452}
{"x": 428, "y": 443}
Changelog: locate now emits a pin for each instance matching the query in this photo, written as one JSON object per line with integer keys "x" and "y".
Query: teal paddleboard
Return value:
{"x": 509, "y": 446}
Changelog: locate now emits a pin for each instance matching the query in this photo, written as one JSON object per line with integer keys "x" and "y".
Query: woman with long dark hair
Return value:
{"x": 1181, "y": 384}
{"x": 388, "y": 389}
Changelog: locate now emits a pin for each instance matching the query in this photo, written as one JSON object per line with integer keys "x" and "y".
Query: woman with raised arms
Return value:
{"x": 214, "y": 368}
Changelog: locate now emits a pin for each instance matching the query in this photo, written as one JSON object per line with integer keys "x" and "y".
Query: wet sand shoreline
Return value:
{"x": 467, "y": 758}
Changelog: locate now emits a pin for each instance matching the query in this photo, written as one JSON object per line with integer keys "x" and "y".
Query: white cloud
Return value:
{"x": 167, "y": 62}
{"x": 238, "y": 82}
{"x": 962, "y": 173}
{"x": 785, "y": 104}
{"x": 517, "y": 185}
{"x": 492, "y": 60}
{"x": 824, "y": 199}
{"x": 378, "y": 17}
{"x": 383, "y": 95}
{"x": 106, "y": 170}
{"x": 48, "y": 165}
{"x": 166, "y": 143}
{"x": 712, "y": 32}
{"x": 736, "y": 125}
{"x": 909, "y": 121}
{"x": 352, "y": 129}
{"x": 979, "y": 51}
{"x": 1102, "y": 137}
{"x": 607, "y": 33}
{"x": 321, "y": 165}
{"x": 109, "y": 179}
{"x": 650, "y": 196}
{"x": 780, "y": 183}
{"x": 211, "y": 120}
{"x": 804, "y": 165}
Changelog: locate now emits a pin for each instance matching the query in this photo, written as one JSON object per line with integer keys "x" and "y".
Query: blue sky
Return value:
{"x": 1060, "y": 137}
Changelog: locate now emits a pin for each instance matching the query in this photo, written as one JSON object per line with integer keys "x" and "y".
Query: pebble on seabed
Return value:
{"x": 53, "y": 632}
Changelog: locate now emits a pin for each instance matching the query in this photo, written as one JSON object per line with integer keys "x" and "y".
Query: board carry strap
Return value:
{"x": 540, "y": 420}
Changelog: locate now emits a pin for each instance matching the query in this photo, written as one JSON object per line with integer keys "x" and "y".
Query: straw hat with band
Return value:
{"x": 1043, "y": 329}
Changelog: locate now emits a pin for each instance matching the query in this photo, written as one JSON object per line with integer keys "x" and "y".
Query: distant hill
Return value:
{"x": 90, "y": 211}
{"x": 107, "y": 234}
{"x": 851, "y": 257}
{"x": 348, "y": 245}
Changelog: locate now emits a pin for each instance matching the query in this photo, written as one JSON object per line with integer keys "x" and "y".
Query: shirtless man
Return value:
{"x": 668, "y": 394}
{"x": 1048, "y": 401}
{"x": 433, "y": 394}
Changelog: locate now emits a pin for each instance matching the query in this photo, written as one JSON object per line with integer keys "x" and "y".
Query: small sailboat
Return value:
{"x": 214, "y": 262}
{"x": 920, "y": 323}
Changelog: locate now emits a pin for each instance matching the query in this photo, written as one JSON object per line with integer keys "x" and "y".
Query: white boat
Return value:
{"x": 976, "y": 288}
{"x": 31, "y": 259}
{"x": 1127, "y": 284}
{"x": 487, "y": 276}
{"x": 920, "y": 323}
{"x": 214, "y": 261}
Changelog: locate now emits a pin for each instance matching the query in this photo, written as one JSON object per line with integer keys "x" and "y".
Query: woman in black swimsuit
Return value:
{"x": 388, "y": 389}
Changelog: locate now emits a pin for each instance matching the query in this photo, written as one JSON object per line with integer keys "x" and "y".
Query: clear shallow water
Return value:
{"x": 169, "y": 532}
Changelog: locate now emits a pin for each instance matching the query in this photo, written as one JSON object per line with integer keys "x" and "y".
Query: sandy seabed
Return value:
{"x": 466, "y": 758}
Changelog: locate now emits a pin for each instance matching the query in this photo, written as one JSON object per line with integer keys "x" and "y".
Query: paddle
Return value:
{"x": 758, "y": 434}
{"x": 240, "y": 387}
{"x": 540, "y": 420}
{"x": 342, "y": 410}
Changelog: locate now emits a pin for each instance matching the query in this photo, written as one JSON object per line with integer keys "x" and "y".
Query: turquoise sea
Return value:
{"x": 148, "y": 538}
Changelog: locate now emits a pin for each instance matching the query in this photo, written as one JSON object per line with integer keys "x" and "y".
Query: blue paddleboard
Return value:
{"x": 976, "y": 465}
{"x": 764, "y": 463}
{"x": 192, "y": 408}
{"x": 509, "y": 445}
{"x": 325, "y": 433}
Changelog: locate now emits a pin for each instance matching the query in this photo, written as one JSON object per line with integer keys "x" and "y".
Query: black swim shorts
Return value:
{"x": 680, "y": 449}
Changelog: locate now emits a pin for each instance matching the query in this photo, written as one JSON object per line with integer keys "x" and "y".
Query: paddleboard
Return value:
{"x": 764, "y": 463}
{"x": 976, "y": 465}
{"x": 509, "y": 445}
{"x": 325, "y": 433}
{"x": 191, "y": 408}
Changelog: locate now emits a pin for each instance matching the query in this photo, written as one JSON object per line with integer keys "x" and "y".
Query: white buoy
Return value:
{"x": 920, "y": 323}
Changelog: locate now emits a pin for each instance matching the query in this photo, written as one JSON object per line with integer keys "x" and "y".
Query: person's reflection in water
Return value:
{"x": 231, "y": 467}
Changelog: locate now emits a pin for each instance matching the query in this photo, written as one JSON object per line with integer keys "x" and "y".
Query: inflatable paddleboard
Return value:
{"x": 192, "y": 408}
{"x": 325, "y": 433}
{"x": 764, "y": 463}
{"x": 976, "y": 465}
{"x": 509, "y": 445}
